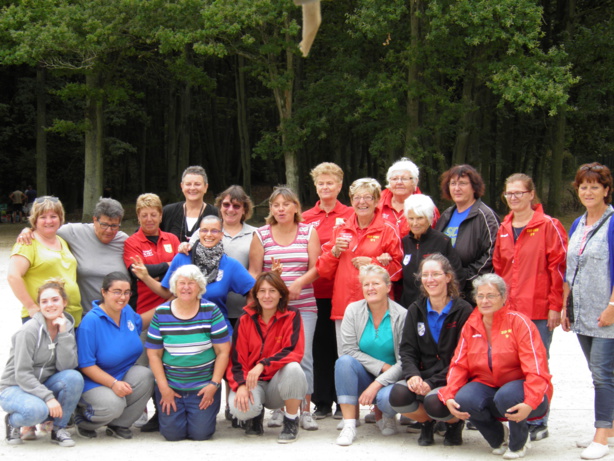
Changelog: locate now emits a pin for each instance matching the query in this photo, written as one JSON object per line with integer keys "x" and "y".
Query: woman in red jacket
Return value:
{"x": 264, "y": 370}
{"x": 499, "y": 371}
{"x": 530, "y": 254}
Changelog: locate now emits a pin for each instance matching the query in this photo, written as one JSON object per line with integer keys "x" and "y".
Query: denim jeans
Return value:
{"x": 546, "y": 336}
{"x": 599, "y": 353}
{"x": 189, "y": 421}
{"x": 351, "y": 379}
{"x": 28, "y": 410}
{"x": 487, "y": 405}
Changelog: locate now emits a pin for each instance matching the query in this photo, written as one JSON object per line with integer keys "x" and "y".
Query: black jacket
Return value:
{"x": 420, "y": 355}
{"x": 173, "y": 220}
{"x": 475, "y": 241}
{"x": 414, "y": 251}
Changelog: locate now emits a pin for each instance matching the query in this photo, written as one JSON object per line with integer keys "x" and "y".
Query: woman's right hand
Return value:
{"x": 453, "y": 406}
{"x": 167, "y": 400}
{"x": 55, "y": 409}
{"x": 25, "y": 237}
{"x": 243, "y": 397}
{"x": 121, "y": 388}
{"x": 138, "y": 267}
{"x": 341, "y": 244}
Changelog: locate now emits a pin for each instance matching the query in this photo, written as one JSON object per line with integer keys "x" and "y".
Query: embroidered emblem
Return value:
{"x": 421, "y": 329}
{"x": 147, "y": 253}
{"x": 406, "y": 260}
{"x": 339, "y": 221}
{"x": 131, "y": 326}
{"x": 507, "y": 333}
{"x": 220, "y": 275}
{"x": 168, "y": 247}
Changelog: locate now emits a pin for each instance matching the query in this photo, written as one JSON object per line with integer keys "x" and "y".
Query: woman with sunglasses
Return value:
{"x": 46, "y": 257}
{"x": 530, "y": 254}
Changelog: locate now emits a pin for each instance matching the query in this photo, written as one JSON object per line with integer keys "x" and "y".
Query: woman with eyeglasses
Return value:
{"x": 530, "y": 255}
{"x": 46, "y": 257}
{"x": 116, "y": 389}
{"x": 223, "y": 273}
{"x": 499, "y": 372}
{"x": 470, "y": 223}
{"x": 589, "y": 296}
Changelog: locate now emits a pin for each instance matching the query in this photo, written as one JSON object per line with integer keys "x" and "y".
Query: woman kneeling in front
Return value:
{"x": 264, "y": 369}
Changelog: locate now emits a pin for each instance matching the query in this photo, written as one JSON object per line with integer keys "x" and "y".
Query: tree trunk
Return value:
{"x": 466, "y": 125}
{"x": 41, "y": 134}
{"x": 413, "y": 102}
{"x": 92, "y": 181}
{"x": 556, "y": 165}
{"x": 243, "y": 127}
{"x": 171, "y": 145}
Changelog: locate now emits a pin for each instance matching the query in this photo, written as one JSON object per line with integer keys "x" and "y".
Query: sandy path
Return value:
{"x": 571, "y": 418}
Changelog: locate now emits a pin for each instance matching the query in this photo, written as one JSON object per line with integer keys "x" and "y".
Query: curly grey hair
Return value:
{"x": 192, "y": 272}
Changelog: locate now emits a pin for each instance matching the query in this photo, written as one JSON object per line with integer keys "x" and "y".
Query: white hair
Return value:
{"x": 192, "y": 272}
{"x": 404, "y": 164}
{"x": 420, "y": 204}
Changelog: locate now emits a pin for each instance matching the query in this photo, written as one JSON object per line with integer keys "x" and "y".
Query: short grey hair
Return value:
{"x": 369, "y": 184}
{"x": 420, "y": 204}
{"x": 212, "y": 217}
{"x": 192, "y": 272}
{"x": 493, "y": 280}
{"x": 373, "y": 269}
{"x": 197, "y": 170}
{"x": 108, "y": 207}
{"x": 404, "y": 164}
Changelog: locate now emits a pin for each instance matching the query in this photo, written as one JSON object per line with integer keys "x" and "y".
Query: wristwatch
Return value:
{"x": 217, "y": 385}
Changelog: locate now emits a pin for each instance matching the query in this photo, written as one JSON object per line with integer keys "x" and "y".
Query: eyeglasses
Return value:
{"x": 459, "y": 183}
{"x": 106, "y": 225}
{"x": 210, "y": 231}
{"x": 365, "y": 198}
{"x": 434, "y": 275}
{"x": 489, "y": 297}
{"x": 120, "y": 293}
{"x": 401, "y": 179}
{"x": 235, "y": 206}
{"x": 519, "y": 194}
{"x": 45, "y": 198}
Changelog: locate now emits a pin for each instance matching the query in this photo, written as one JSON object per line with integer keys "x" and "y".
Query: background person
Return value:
{"x": 19, "y": 199}
{"x": 39, "y": 381}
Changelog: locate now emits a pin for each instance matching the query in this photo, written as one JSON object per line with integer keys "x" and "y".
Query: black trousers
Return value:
{"x": 324, "y": 356}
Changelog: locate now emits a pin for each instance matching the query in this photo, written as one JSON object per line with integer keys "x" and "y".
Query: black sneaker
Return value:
{"x": 414, "y": 428}
{"x": 454, "y": 434}
{"x": 153, "y": 425}
{"x": 13, "y": 433}
{"x": 119, "y": 432}
{"x": 254, "y": 426}
{"x": 62, "y": 438}
{"x": 227, "y": 415}
{"x": 538, "y": 432}
{"x": 86, "y": 433}
{"x": 337, "y": 414}
{"x": 289, "y": 433}
{"x": 426, "y": 434}
{"x": 322, "y": 412}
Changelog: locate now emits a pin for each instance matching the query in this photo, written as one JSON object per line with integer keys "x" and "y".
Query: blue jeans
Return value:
{"x": 599, "y": 353}
{"x": 351, "y": 379}
{"x": 546, "y": 336}
{"x": 189, "y": 421}
{"x": 26, "y": 409}
{"x": 487, "y": 405}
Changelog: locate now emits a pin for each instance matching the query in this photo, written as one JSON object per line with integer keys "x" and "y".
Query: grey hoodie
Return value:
{"x": 35, "y": 357}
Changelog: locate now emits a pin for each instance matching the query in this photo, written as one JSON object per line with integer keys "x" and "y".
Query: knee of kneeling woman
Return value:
{"x": 344, "y": 364}
{"x": 293, "y": 374}
{"x": 435, "y": 408}
{"x": 402, "y": 400}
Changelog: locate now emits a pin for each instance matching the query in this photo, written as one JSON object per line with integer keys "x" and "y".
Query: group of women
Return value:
{"x": 386, "y": 287}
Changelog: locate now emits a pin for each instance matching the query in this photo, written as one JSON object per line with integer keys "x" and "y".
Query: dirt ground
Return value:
{"x": 571, "y": 418}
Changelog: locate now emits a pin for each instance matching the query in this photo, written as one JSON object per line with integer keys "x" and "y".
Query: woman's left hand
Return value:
{"x": 295, "y": 289}
{"x": 360, "y": 261}
{"x": 554, "y": 319}
{"x": 518, "y": 412}
{"x": 208, "y": 394}
{"x": 384, "y": 259}
{"x": 607, "y": 317}
{"x": 55, "y": 409}
{"x": 368, "y": 396}
{"x": 251, "y": 381}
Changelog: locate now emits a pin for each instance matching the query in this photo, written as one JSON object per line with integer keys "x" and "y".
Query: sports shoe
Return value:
{"x": 119, "y": 432}
{"x": 538, "y": 432}
{"x": 337, "y": 414}
{"x": 502, "y": 449}
{"x": 370, "y": 417}
{"x": 289, "y": 433}
{"x": 414, "y": 428}
{"x": 277, "y": 418}
{"x": 46, "y": 427}
{"x": 153, "y": 425}
{"x": 595, "y": 451}
{"x": 387, "y": 426}
{"x": 454, "y": 434}
{"x": 341, "y": 424}
{"x": 322, "y": 412}
{"x": 307, "y": 422}
{"x": 13, "y": 435}
{"x": 253, "y": 427}
{"x": 28, "y": 433}
{"x": 441, "y": 428}
{"x": 509, "y": 454}
{"x": 86, "y": 433}
{"x": 587, "y": 442}
{"x": 139, "y": 423}
{"x": 347, "y": 436}
{"x": 227, "y": 415}
{"x": 426, "y": 435}
{"x": 62, "y": 438}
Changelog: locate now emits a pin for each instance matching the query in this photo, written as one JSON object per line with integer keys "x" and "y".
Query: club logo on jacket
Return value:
{"x": 147, "y": 253}
{"x": 130, "y": 325}
{"x": 532, "y": 232}
{"x": 373, "y": 238}
{"x": 421, "y": 329}
{"x": 168, "y": 247}
{"x": 451, "y": 325}
{"x": 339, "y": 221}
{"x": 507, "y": 333}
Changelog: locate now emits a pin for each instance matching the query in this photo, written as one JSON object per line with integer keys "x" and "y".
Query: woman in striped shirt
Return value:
{"x": 287, "y": 245}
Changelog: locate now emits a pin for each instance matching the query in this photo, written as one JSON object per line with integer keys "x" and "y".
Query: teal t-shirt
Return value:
{"x": 378, "y": 343}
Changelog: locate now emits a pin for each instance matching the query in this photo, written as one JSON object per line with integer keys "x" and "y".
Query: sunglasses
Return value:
{"x": 44, "y": 198}
{"x": 235, "y": 206}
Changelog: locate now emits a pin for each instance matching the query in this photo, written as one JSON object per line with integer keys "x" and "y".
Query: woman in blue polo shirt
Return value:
{"x": 116, "y": 390}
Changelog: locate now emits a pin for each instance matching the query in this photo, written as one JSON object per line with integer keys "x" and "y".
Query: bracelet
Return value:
{"x": 217, "y": 385}
{"x": 611, "y": 303}
{"x": 113, "y": 384}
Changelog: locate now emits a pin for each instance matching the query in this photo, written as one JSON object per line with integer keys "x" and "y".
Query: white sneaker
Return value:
{"x": 388, "y": 426}
{"x": 587, "y": 442}
{"x": 341, "y": 424}
{"x": 307, "y": 422}
{"x": 509, "y": 454}
{"x": 503, "y": 448}
{"x": 139, "y": 423}
{"x": 595, "y": 451}
{"x": 277, "y": 418}
{"x": 347, "y": 436}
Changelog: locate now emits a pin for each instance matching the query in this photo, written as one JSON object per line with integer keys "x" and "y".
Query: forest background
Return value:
{"x": 125, "y": 94}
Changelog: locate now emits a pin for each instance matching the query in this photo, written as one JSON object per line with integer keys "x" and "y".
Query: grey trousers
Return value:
{"x": 102, "y": 407}
{"x": 288, "y": 383}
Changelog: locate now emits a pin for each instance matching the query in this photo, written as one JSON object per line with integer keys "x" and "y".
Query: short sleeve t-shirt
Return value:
{"x": 378, "y": 343}
{"x": 451, "y": 229}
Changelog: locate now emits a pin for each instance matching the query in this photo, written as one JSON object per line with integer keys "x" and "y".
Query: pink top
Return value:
{"x": 295, "y": 260}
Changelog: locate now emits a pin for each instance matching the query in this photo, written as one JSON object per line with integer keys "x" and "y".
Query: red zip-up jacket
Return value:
{"x": 398, "y": 218}
{"x": 533, "y": 267}
{"x": 283, "y": 342}
{"x": 517, "y": 353}
{"x": 380, "y": 237}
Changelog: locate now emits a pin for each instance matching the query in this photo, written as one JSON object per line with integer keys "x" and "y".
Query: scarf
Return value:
{"x": 208, "y": 260}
